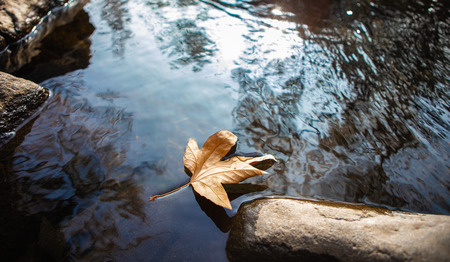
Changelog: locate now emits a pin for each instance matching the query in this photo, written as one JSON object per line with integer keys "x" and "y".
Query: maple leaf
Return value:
{"x": 209, "y": 171}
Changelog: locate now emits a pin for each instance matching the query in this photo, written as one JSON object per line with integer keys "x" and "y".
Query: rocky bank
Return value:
{"x": 17, "y": 18}
{"x": 300, "y": 230}
{"x": 19, "y": 100}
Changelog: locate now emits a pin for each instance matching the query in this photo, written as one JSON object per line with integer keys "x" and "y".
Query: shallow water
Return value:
{"x": 352, "y": 99}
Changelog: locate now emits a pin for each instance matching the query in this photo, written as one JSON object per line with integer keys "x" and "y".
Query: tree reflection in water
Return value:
{"x": 374, "y": 124}
{"x": 116, "y": 15}
{"x": 183, "y": 40}
{"x": 342, "y": 92}
{"x": 81, "y": 175}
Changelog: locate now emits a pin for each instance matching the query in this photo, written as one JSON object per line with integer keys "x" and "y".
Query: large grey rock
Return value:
{"x": 19, "y": 99}
{"x": 298, "y": 230}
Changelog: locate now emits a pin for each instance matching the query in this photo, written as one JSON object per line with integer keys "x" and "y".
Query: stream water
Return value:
{"x": 351, "y": 97}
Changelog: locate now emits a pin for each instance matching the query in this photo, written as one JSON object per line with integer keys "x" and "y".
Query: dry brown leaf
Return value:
{"x": 209, "y": 172}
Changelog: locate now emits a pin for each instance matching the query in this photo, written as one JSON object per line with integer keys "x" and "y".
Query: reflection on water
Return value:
{"x": 184, "y": 40}
{"x": 352, "y": 99}
{"x": 369, "y": 140}
{"x": 115, "y": 14}
{"x": 64, "y": 50}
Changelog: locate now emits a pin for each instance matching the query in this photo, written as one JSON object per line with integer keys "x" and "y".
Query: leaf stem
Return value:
{"x": 170, "y": 192}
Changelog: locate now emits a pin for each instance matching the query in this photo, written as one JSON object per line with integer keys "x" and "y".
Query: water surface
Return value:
{"x": 352, "y": 99}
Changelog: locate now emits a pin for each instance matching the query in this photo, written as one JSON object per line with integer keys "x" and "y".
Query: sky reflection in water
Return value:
{"x": 352, "y": 102}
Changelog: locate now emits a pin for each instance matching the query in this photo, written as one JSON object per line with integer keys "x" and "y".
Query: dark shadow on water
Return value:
{"x": 217, "y": 213}
{"x": 65, "y": 49}
{"x": 70, "y": 174}
{"x": 12, "y": 223}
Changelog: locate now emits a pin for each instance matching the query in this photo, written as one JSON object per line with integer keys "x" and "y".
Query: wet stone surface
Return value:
{"x": 17, "y": 18}
{"x": 19, "y": 100}
{"x": 23, "y": 26}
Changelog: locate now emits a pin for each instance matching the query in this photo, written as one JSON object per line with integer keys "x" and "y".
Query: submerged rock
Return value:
{"x": 300, "y": 230}
{"x": 19, "y": 100}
